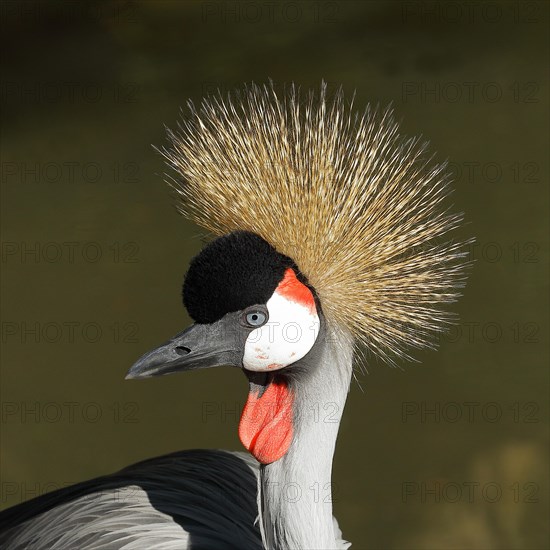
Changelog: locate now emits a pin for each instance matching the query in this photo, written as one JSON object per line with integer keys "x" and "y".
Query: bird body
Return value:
{"x": 167, "y": 503}
{"x": 189, "y": 499}
{"x": 331, "y": 238}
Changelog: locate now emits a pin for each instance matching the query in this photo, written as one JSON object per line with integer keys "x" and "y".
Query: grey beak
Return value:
{"x": 200, "y": 346}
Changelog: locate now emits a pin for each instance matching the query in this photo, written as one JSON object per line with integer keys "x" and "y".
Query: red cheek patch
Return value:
{"x": 266, "y": 425}
{"x": 292, "y": 289}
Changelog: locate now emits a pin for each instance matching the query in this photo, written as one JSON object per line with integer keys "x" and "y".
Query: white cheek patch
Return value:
{"x": 287, "y": 337}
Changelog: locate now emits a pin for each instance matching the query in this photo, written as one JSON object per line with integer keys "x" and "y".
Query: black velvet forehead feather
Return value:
{"x": 231, "y": 273}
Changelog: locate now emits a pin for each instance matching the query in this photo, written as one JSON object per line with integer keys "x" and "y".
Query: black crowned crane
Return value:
{"x": 332, "y": 235}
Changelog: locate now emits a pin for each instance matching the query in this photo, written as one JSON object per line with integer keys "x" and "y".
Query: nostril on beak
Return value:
{"x": 182, "y": 350}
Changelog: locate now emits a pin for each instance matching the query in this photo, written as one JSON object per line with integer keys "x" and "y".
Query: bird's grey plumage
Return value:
{"x": 201, "y": 499}
{"x": 296, "y": 491}
{"x": 192, "y": 499}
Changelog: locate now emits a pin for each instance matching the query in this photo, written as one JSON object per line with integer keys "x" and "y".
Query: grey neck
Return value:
{"x": 295, "y": 498}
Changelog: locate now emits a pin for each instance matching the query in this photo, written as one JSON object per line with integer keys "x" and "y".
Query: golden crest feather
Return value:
{"x": 358, "y": 207}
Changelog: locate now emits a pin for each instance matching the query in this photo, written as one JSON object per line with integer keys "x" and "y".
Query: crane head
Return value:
{"x": 252, "y": 309}
{"x": 314, "y": 204}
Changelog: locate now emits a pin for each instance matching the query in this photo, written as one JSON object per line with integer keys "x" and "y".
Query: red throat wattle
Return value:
{"x": 266, "y": 425}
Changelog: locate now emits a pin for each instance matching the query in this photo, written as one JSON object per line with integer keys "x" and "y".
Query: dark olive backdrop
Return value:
{"x": 448, "y": 453}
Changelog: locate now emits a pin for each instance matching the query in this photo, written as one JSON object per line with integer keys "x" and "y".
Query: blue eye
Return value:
{"x": 255, "y": 317}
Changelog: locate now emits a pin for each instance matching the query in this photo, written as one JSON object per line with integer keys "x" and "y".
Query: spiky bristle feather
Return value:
{"x": 358, "y": 207}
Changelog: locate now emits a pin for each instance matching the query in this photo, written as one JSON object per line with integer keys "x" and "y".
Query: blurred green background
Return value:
{"x": 448, "y": 453}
